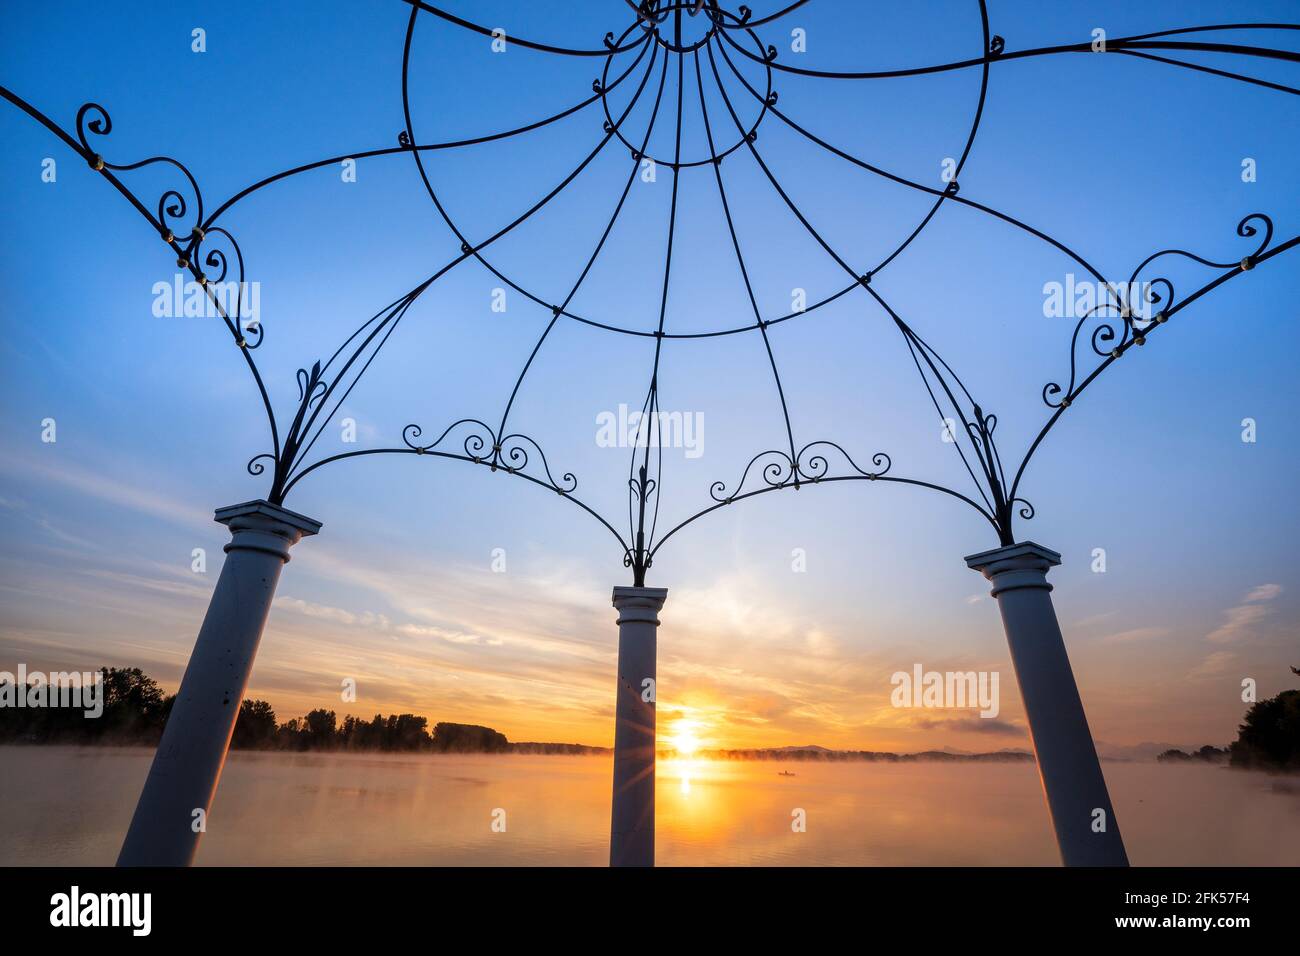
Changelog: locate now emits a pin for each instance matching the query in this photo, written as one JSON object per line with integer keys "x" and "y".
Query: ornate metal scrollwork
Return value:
{"x": 511, "y": 453}
{"x": 178, "y": 217}
{"x": 806, "y": 467}
{"x": 173, "y": 209}
{"x": 1118, "y": 324}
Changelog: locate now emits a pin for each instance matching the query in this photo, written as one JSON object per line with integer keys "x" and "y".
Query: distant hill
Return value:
{"x": 1145, "y": 751}
{"x": 822, "y": 754}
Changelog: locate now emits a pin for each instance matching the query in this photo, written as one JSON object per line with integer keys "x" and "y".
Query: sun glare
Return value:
{"x": 684, "y": 740}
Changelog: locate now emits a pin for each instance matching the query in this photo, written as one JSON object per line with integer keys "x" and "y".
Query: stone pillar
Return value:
{"x": 1067, "y": 759}
{"x": 632, "y": 822}
{"x": 165, "y": 830}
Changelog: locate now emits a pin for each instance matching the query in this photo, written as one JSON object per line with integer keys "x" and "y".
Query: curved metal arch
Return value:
{"x": 426, "y": 147}
{"x": 740, "y": 259}
{"x": 498, "y": 461}
{"x": 819, "y": 481}
{"x": 746, "y": 13}
{"x": 949, "y": 193}
{"x": 998, "y": 53}
{"x": 941, "y": 196}
{"x": 609, "y": 47}
{"x": 461, "y": 236}
{"x": 715, "y": 155}
{"x": 863, "y": 281}
{"x": 558, "y": 310}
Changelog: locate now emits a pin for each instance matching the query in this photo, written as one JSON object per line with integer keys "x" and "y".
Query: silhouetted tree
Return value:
{"x": 136, "y": 709}
{"x": 319, "y": 729}
{"x": 1269, "y": 737}
{"x": 134, "y": 705}
{"x": 1206, "y": 754}
{"x": 468, "y": 738}
{"x": 255, "y": 727}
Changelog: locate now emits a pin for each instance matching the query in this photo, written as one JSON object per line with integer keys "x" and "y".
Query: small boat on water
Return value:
{"x": 784, "y": 773}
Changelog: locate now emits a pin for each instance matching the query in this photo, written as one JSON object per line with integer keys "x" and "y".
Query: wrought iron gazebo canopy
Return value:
{"x": 674, "y": 242}
{"x": 793, "y": 263}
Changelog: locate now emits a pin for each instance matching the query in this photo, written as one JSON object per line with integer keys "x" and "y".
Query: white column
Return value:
{"x": 187, "y": 764}
{"x": 1067, "y": 759}
{"x": 632, "y": 822}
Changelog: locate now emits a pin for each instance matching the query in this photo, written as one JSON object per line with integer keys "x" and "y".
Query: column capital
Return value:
{"x": 1023, "y": 565}
{"x": 639, "y": 604}
{"x": 261, "y": 526}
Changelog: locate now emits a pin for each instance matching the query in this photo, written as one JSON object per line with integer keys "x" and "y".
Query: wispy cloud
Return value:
{"x": 103, "y": 488}
{"x": 1213, "y": 664}
{"x": 1135, "y": 635}
{"x": 1240, "y": 621}
{"x": 369, "y": 619}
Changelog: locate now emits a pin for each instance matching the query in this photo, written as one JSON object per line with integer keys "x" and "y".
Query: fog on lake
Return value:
{"x": 71, "y": 806}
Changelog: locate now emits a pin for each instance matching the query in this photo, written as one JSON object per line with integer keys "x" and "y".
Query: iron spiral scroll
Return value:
{"x": 1118, "y": 323}
{"x": 780, "y": 470}
{"x": 633, "y": 60}
{"x": 179, "y": 222}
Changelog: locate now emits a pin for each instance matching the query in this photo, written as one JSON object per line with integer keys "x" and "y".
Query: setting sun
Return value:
{"x": 684, "y": 740}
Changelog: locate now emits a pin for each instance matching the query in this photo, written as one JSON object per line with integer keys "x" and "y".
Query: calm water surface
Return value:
{"x": 64, "y": 805}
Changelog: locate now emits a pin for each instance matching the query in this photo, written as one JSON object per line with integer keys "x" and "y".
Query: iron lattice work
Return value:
{"x": 708, "y": 56}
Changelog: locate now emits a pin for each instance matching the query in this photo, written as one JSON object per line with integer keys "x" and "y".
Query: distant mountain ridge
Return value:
{"x": 822, "y": 754}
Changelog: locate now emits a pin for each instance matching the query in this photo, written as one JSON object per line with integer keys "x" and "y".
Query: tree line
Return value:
{"x": 1268, "y": 738}
{"x": 136, "y": 710}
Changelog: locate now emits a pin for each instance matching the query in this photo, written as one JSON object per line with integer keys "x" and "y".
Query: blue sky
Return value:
{"x": 156, "y": 416}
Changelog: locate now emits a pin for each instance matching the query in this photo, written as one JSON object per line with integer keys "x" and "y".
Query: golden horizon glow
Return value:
{"x": 462, "y": 654}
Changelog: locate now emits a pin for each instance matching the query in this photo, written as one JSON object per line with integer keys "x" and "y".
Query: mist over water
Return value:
{"x": 71, "y": 806}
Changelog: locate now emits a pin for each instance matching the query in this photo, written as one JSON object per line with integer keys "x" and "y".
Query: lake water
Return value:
{"x": 71, "y": 806}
